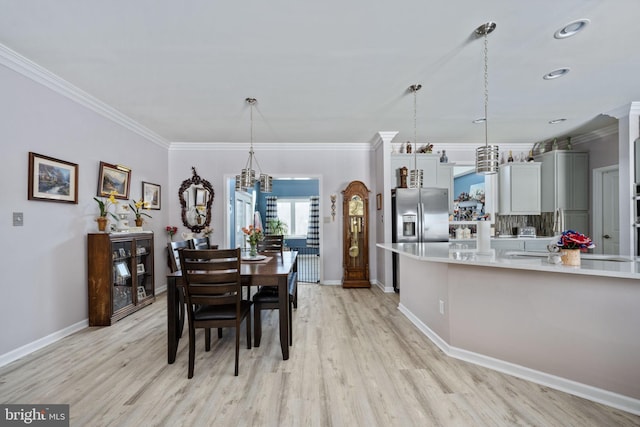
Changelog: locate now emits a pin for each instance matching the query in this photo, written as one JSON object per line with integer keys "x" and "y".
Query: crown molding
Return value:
{"x": 595, "y": 135}
{"x": 270, "y": 146}
{"x": 41, "y": 75}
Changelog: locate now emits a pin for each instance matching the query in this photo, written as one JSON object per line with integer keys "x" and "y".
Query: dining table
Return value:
{"x": 274, "y": 269}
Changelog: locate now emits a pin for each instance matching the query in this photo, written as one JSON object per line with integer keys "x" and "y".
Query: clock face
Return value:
{"x": 356, "y": 206}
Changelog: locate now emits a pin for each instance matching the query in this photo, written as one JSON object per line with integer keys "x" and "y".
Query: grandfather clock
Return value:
{"x": 355, "y": 236}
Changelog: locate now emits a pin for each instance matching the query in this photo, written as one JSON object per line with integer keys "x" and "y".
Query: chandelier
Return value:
{"x": 487, "y": 156}
{"x": 247, "y": 179}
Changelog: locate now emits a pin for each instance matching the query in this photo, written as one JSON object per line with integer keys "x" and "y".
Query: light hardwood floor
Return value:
{"x": 356, "y": 361}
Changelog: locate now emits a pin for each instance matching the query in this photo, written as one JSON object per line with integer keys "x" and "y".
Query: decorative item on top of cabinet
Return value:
{"x": 355, "y": 236}
{"x": 120, "y": 273}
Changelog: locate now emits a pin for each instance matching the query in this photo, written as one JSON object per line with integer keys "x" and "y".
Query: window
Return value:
{"x": 294, "y": 213}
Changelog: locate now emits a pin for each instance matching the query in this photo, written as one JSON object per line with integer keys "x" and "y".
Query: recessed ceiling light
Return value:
{"x": 556, "y": 121}
{"x": 557, "y": 73}
{"x": 572, "y": 28}
{"x": 480, "y": 120}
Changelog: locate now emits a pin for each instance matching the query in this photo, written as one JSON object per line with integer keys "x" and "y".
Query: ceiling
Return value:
{"x": 337, "y": 71}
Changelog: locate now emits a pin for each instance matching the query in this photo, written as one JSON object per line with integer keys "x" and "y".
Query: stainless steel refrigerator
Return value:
{"x": 418, "y": 215}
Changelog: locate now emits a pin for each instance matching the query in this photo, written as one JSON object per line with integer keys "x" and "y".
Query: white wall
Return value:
{"x": 335, "y": 165}
{"x": 43, "y": 263}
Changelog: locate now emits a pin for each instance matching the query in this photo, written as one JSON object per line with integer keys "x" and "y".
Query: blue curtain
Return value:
{"x": 271, "y": 211}
{"x": 313, "y": 233}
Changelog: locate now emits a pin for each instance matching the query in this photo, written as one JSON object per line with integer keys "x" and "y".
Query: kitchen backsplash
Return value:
{"x": 507, "y": 224}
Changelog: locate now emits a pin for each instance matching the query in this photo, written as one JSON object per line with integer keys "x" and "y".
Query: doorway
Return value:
{"x": 606, "y": 218}
{"x": 291, "y": 199}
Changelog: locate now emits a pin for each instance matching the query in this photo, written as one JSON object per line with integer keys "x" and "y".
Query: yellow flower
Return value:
{"x": 104, "y": 204}
{"x": 138, "y": 206}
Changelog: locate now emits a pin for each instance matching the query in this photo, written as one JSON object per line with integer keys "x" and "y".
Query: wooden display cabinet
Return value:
{"x": 355, "y": 236}
{"x": 121, "y": 279}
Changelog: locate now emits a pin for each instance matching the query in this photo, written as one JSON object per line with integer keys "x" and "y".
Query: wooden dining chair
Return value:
{"x": 174, "y": 255}
{"x": 174, "y": 263}
{"x": 202, "y": 243}
{"x": 213, "y": 293}
{"x": 271, "y": 243}
{"x": 267, "y": 298}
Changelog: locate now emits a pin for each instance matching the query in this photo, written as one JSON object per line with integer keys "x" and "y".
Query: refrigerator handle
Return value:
{"x": 419, "y": 223}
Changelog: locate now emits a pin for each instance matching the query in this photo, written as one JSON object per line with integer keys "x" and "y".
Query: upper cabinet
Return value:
{"x": 519, "y": 189}
{"x": 434, "y": 173}
{"x": 565, "y": 180}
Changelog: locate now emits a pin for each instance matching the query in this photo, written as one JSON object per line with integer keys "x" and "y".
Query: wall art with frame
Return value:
{"x": 151, "y": 194}
{"x": 114, "y": 178}
{"x": 52, "y": 180}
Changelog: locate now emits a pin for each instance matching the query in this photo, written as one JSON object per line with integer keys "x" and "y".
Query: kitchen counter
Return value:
{"x": 464, "y": 252}
{"x": 570, "y": 328}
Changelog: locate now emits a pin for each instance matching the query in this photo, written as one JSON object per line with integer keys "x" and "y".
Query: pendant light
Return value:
{"x": 415, "y": 175}
{"x": 486, "y": 157}
{"x": 247, "y": 178}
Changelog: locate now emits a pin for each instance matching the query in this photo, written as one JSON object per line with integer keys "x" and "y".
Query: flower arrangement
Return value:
{"x": 137, "y": 208}
{"x": 573, "y": 240}
{"x": 207, "y": 231}
{"x": 104, "y": 205}
{"x": 171, "y": 230}
{"x": 254, "y": 234}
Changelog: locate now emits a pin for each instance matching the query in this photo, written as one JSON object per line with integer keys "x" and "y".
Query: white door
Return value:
{"x": 243, "y": 216}
{"x": 610, "y": 220}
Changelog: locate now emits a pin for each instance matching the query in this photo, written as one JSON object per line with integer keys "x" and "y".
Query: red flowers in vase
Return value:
{"x": 573, "y": 240}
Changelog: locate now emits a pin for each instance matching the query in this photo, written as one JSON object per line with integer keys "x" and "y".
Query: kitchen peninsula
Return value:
{"x": 571, "y": 328}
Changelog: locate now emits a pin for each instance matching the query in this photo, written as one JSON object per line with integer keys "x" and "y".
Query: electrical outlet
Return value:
{"x": 18, "y": 219}
{"x": 441, "y": 307}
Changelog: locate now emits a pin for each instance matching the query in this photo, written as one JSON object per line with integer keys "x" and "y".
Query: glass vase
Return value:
{"x": 253, "y": 250}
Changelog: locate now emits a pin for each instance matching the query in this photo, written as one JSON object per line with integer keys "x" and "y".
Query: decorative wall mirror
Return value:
{"x": 196, "y": 197}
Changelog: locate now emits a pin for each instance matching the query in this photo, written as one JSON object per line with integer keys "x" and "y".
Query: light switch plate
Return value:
{"x": 18, "y": 219}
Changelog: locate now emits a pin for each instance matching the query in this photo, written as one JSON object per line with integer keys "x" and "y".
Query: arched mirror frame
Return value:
{"x": 186, "y": 184}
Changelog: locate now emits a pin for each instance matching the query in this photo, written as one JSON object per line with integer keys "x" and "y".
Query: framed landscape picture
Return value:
{"x": 151, "y": 194}
{"x": 52, "y": 180}
{"x": 114, "y": 178}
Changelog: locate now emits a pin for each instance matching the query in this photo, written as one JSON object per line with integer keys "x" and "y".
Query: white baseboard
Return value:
{"x": 16, "y": 354}
{"x": 595, "y": 394}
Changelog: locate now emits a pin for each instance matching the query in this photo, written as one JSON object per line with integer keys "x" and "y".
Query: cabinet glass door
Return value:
{"x": 144, "y": 269}
{"x": 122, "y": 275}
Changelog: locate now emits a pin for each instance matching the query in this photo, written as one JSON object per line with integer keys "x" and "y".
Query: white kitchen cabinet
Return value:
{"x": 577, "y": 221}
{"x": 519, "y": 189}
{"x": 538, "y": 245}
{"x": 434, "y": 173}
{"x": 444, "y": 179}
{"x": 507, "y": 244}
{"x": 565, "y": 180}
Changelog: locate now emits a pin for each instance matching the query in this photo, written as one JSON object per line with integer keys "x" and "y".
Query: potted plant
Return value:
{"x": 571, "y": 243}
{"x": 137, "y": 208}
{"x": 276, "y": 226}
{"x": 104, "y": 210}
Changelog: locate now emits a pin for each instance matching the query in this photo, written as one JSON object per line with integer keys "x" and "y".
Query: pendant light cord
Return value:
{"x": 486, "y": 86}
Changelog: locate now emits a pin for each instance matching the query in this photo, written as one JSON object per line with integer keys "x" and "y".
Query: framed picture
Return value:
{"x": 114, "y": 178}
{"x": 201, "y": 197}
{"x": 379, "y": 201}
{"x": 142, "y": 294}
{"x": 140, "y": 269}
{"x": 122, "y": 271}
{"x": 52, "y": 180}
{"x": 122, "y": 252}
{"x": 151, "y": 194}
